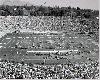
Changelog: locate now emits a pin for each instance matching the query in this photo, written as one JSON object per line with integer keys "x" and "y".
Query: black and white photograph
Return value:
{"x": 49, "y": 39}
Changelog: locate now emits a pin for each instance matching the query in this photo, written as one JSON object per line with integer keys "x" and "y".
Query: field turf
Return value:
{"x": 86, "y": 48}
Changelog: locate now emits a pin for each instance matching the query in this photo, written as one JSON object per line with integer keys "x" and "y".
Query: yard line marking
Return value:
{"x": 0, "y": 43}
{"x": 0, "y": 59}
{"x": 27, "y": 37}
{"x": 95, "y": 43}
{"x": 11, "y": 43}
{"x": 1, "y": 46}
{"x": 19, "y": 37}
{"x": 17, "y": 52}
{"x": 75, "y": 37}
{"x": 12, "y": 47}
{"x": 4, "y": 43}
{"x": 37, "y": 59}
{"x": 8, "y": 38}
{"x": 40, "y": 59}
{"x": 3, "y": 39}
{"x": 54, "y": 51}
{"x": 8, "y": 42}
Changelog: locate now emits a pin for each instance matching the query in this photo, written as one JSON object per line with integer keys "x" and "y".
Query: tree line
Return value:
{"x": 6, "y": 10}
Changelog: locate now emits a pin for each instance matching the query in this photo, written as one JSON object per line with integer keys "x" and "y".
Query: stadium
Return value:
{"x": 58, "y": 46}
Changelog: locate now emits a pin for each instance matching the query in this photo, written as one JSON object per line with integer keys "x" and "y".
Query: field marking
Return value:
{"x": 4, "y": 43}
{"x": 12, "y": 42}
{"x": 94, "y": 42}
{"x": 54, "y": 51}
{"x": 8, "y": 38}
{"x": 1, "y": 46}
{"x": 3, "y": 39}
{"x": 8, "y": 42}
{"x": 27, "y": 37}
{"x": 0, "y": 43}
{"x": 46, "y": 32}
{"x": 12, "y": 47}
{"x": 39, "y": 59}
{"x": 75, "y": 37}
{"x": 20, "y": 37}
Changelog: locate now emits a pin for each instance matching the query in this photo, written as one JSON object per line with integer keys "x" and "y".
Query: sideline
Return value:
{"x": 54, "y": 51}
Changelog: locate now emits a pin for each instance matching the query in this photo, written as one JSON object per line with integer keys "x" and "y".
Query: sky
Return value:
{"x": 87, "y": 4}
{"x": 91, "y": 4}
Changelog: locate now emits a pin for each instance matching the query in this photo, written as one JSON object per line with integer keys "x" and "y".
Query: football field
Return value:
{"x": 47, "y": 48}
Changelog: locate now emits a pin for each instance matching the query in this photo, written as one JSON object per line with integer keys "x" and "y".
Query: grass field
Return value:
{"x": 46, "y": 48}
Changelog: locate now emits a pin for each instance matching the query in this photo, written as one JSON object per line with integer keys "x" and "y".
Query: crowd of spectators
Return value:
{"x": 49, "y": 23}
{"x": 34, "y": 22}
{"x": 21, "y": 70}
